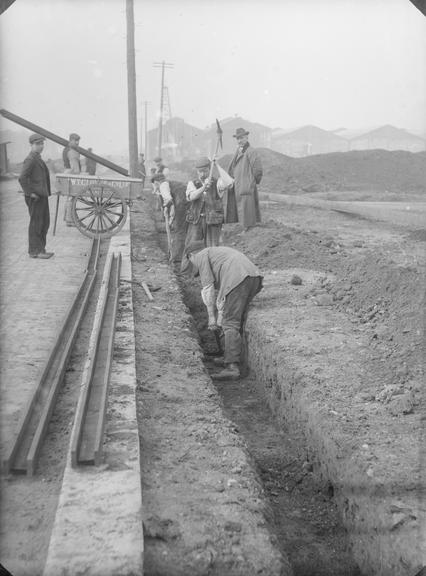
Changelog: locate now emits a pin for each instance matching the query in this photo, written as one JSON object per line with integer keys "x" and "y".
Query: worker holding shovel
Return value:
{"x": 172, "y": 196}
{"x": 229, "y": 283}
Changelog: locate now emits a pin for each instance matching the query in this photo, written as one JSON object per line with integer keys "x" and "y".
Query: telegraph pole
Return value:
{"x": 131, "y": 90}
{"x": 163, "y": 65}
{"x": 146, "y": 129}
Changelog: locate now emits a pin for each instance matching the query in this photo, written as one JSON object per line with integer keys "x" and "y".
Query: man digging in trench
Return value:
{"x": 237, "y": 281}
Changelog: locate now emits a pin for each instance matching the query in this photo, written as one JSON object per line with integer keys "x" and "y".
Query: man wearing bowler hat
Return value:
{"x": 35, "y": 182}
{"x": 246, "y": 169}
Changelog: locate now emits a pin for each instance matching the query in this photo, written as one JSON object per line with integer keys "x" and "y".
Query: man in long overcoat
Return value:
{"x": 35, "y": 182}
{"x": 246, "y": 169}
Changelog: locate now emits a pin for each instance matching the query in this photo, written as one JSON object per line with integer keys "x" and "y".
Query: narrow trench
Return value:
{"x": 303, "y": 515}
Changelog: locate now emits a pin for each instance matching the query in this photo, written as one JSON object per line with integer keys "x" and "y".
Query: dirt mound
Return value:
{"x": 383, "y": 297}
{"x": 396, "y": 171}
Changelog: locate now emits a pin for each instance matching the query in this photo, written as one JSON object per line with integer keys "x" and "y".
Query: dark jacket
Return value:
{"x": 34, "y": 177}
{"x": 65, "y": 158}
{"x": 91, "y": 166}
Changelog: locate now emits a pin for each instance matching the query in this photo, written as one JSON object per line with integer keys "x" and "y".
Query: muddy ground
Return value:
{"x": 349, "y": 331}
{"x": 314, "y": 463}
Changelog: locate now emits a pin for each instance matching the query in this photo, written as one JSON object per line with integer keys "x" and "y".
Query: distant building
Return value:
{"x": 179, "y": 140}
{"x": 306, "y": 141}
{"x": 388, "y": 138}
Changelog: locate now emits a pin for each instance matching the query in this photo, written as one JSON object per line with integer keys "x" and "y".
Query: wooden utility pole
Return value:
{"x": 146, "y": 130}
{"x": 163, "y": 65}
{"x": 131, "y": 91}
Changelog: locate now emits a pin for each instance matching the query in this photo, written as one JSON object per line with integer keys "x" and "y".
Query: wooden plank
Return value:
{"x": 78, "y": 431}
{"x": 62, "y": 141}
{"x": 98, "y": 444}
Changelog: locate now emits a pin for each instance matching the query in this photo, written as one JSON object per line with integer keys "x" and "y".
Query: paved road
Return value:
{"x": 407, "y": 214}
{"x": 34, "y": 297}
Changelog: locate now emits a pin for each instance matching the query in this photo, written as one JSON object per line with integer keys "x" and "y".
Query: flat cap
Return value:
{"x": 74, "y": 136}
{"x": 157, "y": 159}
{"x": 195, "y": 246}
{"x": 202, "y": 162}
{"x": 36, "y": 138}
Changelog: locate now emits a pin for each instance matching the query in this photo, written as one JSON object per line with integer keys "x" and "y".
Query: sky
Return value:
{"x": 283, "y": 63}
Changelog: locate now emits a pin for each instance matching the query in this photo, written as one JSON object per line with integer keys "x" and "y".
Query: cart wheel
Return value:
{"x": 98, "y": 213}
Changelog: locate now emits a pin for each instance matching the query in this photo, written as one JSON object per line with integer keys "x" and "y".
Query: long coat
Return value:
{"x": 246, "y": 169}
{"x": 34, "y": 177}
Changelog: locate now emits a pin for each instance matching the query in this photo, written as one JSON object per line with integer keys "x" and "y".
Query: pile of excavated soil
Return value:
{"x": 342, "y": 353}
{"x": 373, "y": 170}
{"x": 383, "y": 297}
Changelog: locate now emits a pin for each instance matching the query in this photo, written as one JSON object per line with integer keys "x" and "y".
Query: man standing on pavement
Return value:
{"x": 71, "y": 156}
{"x": 246, "y": 169}
{"x": 91, "y": 164}
{"x": 142, "y": 169}
{"x": 72, "y": 165}
{"x": 35, "y": 182}
{"x": 205, "y": 214}
{"x": 237, "y": 281}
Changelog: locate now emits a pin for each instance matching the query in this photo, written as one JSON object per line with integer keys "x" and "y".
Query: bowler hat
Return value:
{"x": 202, "y": 162}
{"x": 240, "y": 132}
{"x": 36, "y": 138}
{"x": 157, "y": 159}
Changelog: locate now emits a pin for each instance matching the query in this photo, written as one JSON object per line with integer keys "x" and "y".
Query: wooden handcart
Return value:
{"x": 99, "y": 205}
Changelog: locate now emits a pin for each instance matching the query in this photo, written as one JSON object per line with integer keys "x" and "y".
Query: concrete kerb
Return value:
{"x": 98, "y": 524}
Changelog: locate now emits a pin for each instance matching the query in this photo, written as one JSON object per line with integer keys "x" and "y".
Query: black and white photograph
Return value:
{"x": 212, "y": 288}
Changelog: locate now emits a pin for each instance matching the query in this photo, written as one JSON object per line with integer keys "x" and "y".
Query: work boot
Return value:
{"x": 230, "y": 372}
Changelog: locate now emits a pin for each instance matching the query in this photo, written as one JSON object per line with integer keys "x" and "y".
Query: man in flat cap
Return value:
{"x": 246, "y": 169}
{"x": 229, "y": 282}
{"x": 72, "y": 165}
{"x": 172, "y": 195}
{"x": 160, "y": 167}
{"x": 35, "y": 182}
{"x": 205, "y": 213}
{"x": 71, "y": 157}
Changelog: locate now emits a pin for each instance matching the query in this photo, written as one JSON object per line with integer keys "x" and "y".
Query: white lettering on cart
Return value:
{"x": 87, "y": 182}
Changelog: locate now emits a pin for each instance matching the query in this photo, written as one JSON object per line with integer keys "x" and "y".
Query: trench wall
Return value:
{"x": 312, "y": 368}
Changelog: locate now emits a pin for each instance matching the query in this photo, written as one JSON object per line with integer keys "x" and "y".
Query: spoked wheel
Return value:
{"x": 97, "y": 212}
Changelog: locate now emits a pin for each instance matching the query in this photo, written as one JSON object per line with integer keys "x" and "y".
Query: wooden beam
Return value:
{"x": 5, "y": 4}
{"x": 62, "y": 141}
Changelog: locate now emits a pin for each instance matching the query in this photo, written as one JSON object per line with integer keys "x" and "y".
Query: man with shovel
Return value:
{"x": 172, "y": 196}
{"x": 237, "y": 281}
{"x": 205, "y": 214}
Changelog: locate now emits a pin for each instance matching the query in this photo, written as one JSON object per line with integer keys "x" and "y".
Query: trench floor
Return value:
{"x": 302, "y": 512}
